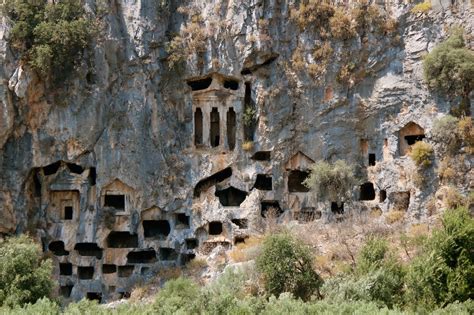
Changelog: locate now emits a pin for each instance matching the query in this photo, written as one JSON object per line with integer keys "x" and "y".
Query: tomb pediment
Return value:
{"x": 299, "y": 161}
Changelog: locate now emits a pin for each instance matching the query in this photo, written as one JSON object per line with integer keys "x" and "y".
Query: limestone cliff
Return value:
{"x": 187, "y": 122}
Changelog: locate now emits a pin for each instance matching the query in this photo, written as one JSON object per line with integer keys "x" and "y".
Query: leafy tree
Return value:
{"x": 177, "y": 296}
{"x": 24, "y": 277}
{"x": 449, "y": 67}
{"x": 333, "y": 182}
{"x": 50, "y": 36}
{"x": 286, "y": 265}
{"x": 444, "y": 273}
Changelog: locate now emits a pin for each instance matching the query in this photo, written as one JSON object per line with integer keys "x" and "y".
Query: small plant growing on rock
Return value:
{"x": 422, "y": 7}
{"x": 333, "y": 181}
{"x": 421, "y": 153}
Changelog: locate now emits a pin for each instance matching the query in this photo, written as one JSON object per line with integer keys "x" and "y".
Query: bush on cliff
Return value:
{"x": 24, "y": 277}
{"x": 49, "y": 36}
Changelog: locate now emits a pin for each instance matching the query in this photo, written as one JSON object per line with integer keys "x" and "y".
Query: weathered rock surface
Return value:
{"x": 119, "y": 175}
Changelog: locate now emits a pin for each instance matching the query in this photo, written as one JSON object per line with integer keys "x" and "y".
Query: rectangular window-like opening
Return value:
{"x": 68, "y": 211}
{"x": 109, "y": 268}
{"x": 125, "y": 271}
{"x": 263, "y": 182}
{"x": 115, "y": 201}
{"x": 241, "y": 223}
{"x": 198, "y": 126}
{"x": 182, "y": 220}
{"x": 94, "y": 296}
{"x": 66, "y": 290}
{"x": 231, "y": 127}
{"x": 65, "y": 269}
{"x": 191, "y": 243}
{"x": 85, "y": 273}
{"x": 295, "y": 181}
{"x": 337, "y": 208}
{"x": 215, "y": 127}
{"x": 372, "y": 159}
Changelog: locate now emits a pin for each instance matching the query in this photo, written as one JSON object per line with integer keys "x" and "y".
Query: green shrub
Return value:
{"x": 24, "y": 278}
{"x": 340, "y": 25}
{"x": 177, "y": 296}
{"x": 332, "y": 181}
{"x": 421, "y": 153}
{"x": 286, "y": 266}
{"x": 49, "y": 36}
{"x": 444, "y": 272}
{"x": 449, "y": 68}
{"x": 43, "y": 306}
{"x": 445, "y": 133}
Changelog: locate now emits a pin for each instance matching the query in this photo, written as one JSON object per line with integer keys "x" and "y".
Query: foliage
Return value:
{"x": 249, "y": 116}
{"x": 422, "y": 7}
{"x": 49, "y": 36}
{"x": 286, "y": 266}
{"x": 42, "y": 306}
{"x": 445, "y": 132}
{"x": 176, "y": 296}
{"x": 466, "y": 131}
{"x": 449, "y": 68}
{"x": 444, "y": 273}
{"x": 340, "y": 25}
{"x": 421, "y": 153}
{"x": 247, "y": 146}
{"x": 332, "y": 182}
{"x": 314, "y": 14}
{"x": 24, "y": 278}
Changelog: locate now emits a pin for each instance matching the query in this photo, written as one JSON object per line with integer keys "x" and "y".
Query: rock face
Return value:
{"x": 132, "y": 166}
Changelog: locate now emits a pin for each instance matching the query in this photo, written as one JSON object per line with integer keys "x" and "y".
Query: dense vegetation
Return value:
{"x": 49, "y": 36}
{"x": 449, "y": 68}
{"x": 440, "y": 279}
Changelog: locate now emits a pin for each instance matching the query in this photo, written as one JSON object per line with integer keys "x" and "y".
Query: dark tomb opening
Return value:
{"x": 372, "y": 159}
{"x": 115, "y": 201}
{"x": 142, "y": 257}
{"x": 37, "y": 183}
{"x": 65, "y": 269}
{"x": 382, "y": 195}
{"x": 411, "y": 140}
{"x": 191, "y": 243}
{"x": 241, "y": 223}
{"x": 68, "y": 212}
{"x": 261, "y": 156}
{"x": 122, "y": 240}
{"x": 168, "y": 254}
{"x": 204, "y": 184}
{"x": 185, "y": 258}
{"x": 74, "y": 168}
{"x": 57, "y": 247}
{"x": 295, "y": 181}
{"x": 231, "y": 197}
{"x": 66, "y": 290}
{"x": 51, "y": 168}
{"x": 85, "y": 273}
{"x": 182, "y": 220}
{"x": 215, "y": 228}
{"x": 263, "y": 182}
{"x": 249, "y": 107}
{"x": 156, "y": 228}
{"x": 88, "y": 249}
{"x": 125, "y": 271}
{"x": 124, "y": 295}
{"x": 270, "y": 208}
{"x": 367, "y": 191}
{"x": 94, "y": 296}
{"x": 215, "y": 127}
{"x": 200, "y": 84}
{"x": 92, "y": 176}
{"x": 240, "y": 239}
{"x": 231, "y": 84}
{"x": 198, "y": 126}
{"x": 231, "y": 127}
{"x": 109, "y": 268}
{"x": 337, "y": 208}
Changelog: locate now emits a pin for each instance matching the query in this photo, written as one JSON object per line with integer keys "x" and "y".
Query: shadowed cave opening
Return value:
{"x": 215, "y": 132}
{"x": 182, "y": 220}
{"x": 205, "y": 183}
{"x": 88, "y": 249}
{"x": 231, "y": 197}
{"x": 115, "y": 201}
{"x": 109, "y": 268}
{"x": 372, "y": 159}
{"x": 367, "y": 191}
{"x": 191, "y": 243}
{"x": 94, "y": 296}
{"x": 57, "y": 248}
{"x": 122, "y": 240}
{"x": 198, "y": 126}
{"x": 65, "y": 290}
{"x": 156, "y": 228}
{"x": 261, "y": 156}
{"x": 85, "y": 273}
{"x": 337, "y": 208}
{"x": 241, "y": 223}
{"x": 51, "y": 168}
{"x": 168, "y": 254}
{"x": 411, "y": 140}
{"x": 92, "y": 176}
{"x": 125, "y": 271}
{"x": 382, "y": 195}
{"x": 68, "y": 213}
{"x": 263, "y": 182}
{"x": 65, "y": 269}
{"x": 215, "y": 228}
{"x": 295, "y": 181}
{"x": 231, "y": 84}
{"x": 231, "y": 125}
{"x": 186, "y": 258}
{"x": 200, "y": 84}
{"x": 147, "y": 256}
{"x": 270, "y": 208}
{"x": 74, "y": 168}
